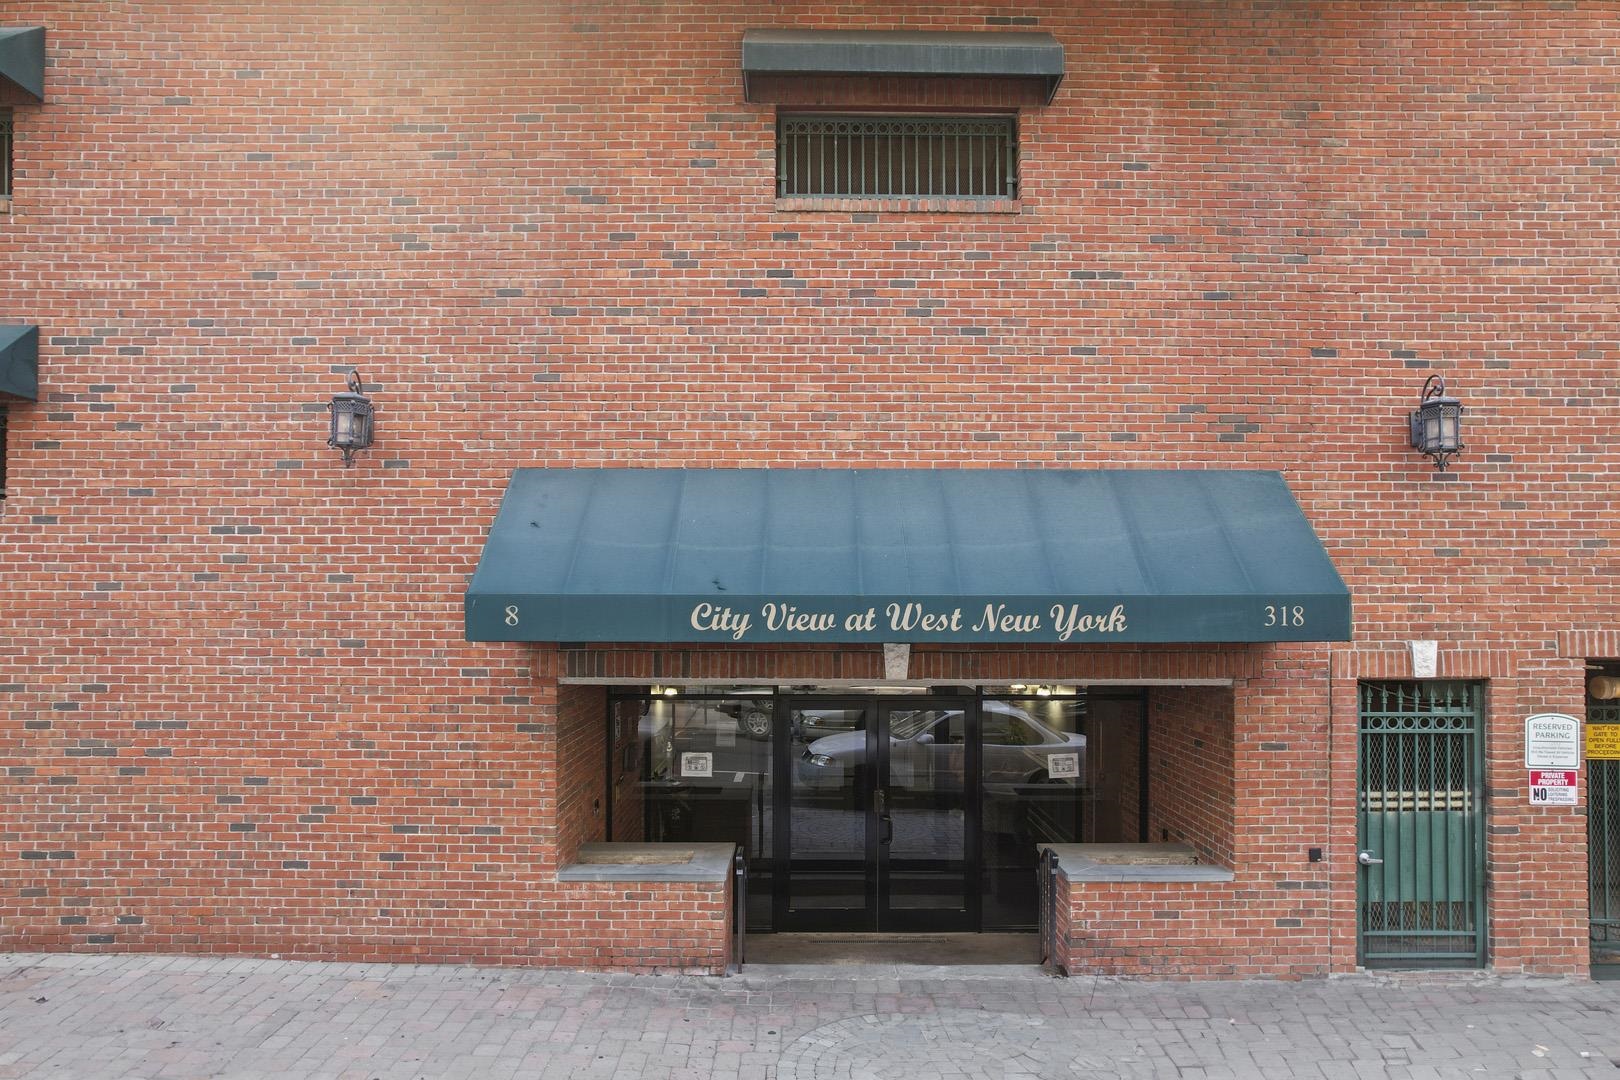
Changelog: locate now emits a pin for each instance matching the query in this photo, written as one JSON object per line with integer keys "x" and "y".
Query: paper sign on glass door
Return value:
{"x": 1063, "y": 766}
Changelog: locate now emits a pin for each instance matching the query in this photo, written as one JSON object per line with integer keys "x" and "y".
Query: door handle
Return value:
{"x": 880, "y": 806}
{"x": 1365, "y": 858}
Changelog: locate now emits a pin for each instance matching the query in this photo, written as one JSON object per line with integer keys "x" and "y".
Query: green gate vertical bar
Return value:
{"x": 1603, "y": 849}
{"x": 1420, "y": 805}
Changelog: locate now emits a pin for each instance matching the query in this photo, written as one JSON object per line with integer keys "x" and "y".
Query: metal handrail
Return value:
{"x": 1046, "y": 890}
{"x": 739, "y": 913}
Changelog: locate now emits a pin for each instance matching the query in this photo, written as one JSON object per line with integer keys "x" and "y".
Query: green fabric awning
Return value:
{"x": 19, "y": 361}
{"x": 985, "y": 54}
{"x": 902, "y": 555}
{"x": 22, "y": 58}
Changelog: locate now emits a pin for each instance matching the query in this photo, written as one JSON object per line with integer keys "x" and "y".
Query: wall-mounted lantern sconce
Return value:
{"x": 352, "y": 417}
{"x": 1437, "y": 423}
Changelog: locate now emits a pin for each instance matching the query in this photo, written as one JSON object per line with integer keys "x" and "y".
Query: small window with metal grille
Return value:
{"x": 2, "y": 453}
{"x": 897, "y": 157}
{"x": 5, "y": 158}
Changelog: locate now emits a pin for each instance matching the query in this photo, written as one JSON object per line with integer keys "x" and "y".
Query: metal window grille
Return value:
{"x": 1603, "y": 847}
{"x": 1419, "y": 810}
{"x": 2, "y": 451}
{"x": 5, "y": 154}
{"x": 897, "y": 157}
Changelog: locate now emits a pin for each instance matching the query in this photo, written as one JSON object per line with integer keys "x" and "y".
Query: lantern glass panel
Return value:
{"x": 351, "y": 422}
{"x": 1450, "y": 424}
{"x": 1431, "y": 430}
{"x": 342, "y": 425}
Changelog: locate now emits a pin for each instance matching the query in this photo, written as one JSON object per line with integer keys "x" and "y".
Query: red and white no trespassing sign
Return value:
{"x": 1554, "y": 787}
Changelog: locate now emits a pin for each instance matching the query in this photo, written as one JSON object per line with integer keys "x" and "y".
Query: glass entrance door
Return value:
{"x": 923, "y": 818}
{"x": 875, "y": 823}
{"x": 824, "y": 823}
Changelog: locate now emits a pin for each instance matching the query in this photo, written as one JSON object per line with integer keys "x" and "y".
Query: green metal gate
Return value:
{"x": 1419, "y": 825}
{"x": 1603, "y": 848}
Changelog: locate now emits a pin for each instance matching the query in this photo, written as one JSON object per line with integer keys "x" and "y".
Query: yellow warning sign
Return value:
{"x": 1603, "y": 742}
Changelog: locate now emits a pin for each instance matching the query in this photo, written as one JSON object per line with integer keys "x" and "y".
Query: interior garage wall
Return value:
{"x": 626, "y": 765}
{"x": 1114, "y": 732}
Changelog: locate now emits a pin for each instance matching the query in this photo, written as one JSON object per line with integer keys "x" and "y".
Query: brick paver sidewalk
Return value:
{"x": 118, "y": 1017}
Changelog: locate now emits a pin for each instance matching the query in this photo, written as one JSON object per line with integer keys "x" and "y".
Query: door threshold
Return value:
{"x": 907, "y": 950}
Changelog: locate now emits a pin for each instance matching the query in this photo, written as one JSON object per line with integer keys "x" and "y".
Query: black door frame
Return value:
{"x": 966, "y": 917}
{"x": 879, "y": 915}
{"x": 783, "y": 764}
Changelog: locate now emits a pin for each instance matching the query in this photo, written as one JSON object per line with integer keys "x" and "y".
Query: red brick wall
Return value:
{"x": 667, "y": 928}
{"x": 1253, "y": 798}
{"x": 1247, "y": 231}
{"x": 1190, "y": 793}
{"x": 1167, "y": 930}
{"x": 582, "y": 742}
{"x": 1537, "y": 906}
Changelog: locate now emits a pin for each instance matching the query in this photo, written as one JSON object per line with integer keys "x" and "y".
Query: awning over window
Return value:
{"x": 19, "y": 361}
{"x": 886, "y": 555}
{"x": 22, "y": 58}
{"x": 983, "y": 54}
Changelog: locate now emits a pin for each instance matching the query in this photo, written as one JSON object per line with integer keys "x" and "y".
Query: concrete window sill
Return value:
{"x": 641, "y": 862}
{"x": 1136, "y": 862}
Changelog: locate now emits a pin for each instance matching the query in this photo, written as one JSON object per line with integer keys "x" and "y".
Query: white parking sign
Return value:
{"x": 1552, "y": 741}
